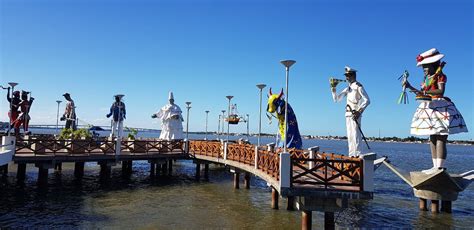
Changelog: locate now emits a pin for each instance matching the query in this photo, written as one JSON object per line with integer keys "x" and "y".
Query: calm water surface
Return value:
{"x": 180, "y": 202}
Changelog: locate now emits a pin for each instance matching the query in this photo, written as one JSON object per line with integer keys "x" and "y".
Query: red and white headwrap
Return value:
{"x": 430, "y": 56}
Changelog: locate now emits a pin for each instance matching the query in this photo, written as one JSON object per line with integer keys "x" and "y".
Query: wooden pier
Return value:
{"x": 309, "y": 179}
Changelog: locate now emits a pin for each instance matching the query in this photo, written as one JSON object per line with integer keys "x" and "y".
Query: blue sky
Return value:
{"x": 205, "y": 50}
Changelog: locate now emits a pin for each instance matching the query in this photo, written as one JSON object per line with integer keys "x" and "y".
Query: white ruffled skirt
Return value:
{"x": 437, "y": 117}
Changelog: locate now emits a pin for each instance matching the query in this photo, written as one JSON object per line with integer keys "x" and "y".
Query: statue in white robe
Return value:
{"x": 171, "y": 121}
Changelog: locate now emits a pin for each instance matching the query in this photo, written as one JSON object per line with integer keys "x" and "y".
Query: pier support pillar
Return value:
{"x": 247, "y": 180}
{"x": 434, "y": 206}
{"x": 164, "y": 168}
{"x": 42, "y": 176}
{"x": 274, "y": 198}
{"x": 329, "y": 220}
{"x": 422, "y": 205}
{"x": 152, "y": 169}
{"x": 105, "y": 171}
{"x": 158, "y": 169}
{"x": 446, "y": 206}
{"x": 58, "y": 167}
{"x": 170, "y": 167}
{"x": 21, "y": 173}
{"x": 236, "y": 180}
{"x": 198, "y": 171}
{"x": 306, "y": 220}
{"x": 79, "y": 170}
{"x": 206, "y": 171}
{"x": 130, "y": 167}
{"x": 4, "y": 169}
{"x": 290, "y": 206}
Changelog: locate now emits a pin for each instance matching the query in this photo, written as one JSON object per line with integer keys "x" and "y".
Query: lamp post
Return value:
{"x": 260, "y": 86}
{"x": 287, "y": 64}
{"x": 228, "y": 116}
{"x": 248, "y": 134}
{"x": 57, "y": 116}
{"x": 207, "y": 113}
{"x": 223, "y": 120}
{"x": 12, "y": 84}
{"x": 218, "y": 126}
{"x": 188, "y": 106}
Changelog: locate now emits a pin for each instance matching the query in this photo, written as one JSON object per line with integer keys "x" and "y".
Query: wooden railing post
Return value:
{"x": 9, "y": 148}
{"x": 186, "y": 146}
{"x": 118, "y": 147}
{"x": 285, "y": 170}
{"x": 367, "y": 179}
{"x": 256, "y": 157}
{"x": 271, "y": 147}
{"x": 312, "y": 155}
{"x": 226, "y": 144}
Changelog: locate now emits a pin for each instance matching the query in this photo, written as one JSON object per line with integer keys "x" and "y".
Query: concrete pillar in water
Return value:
{"x": 58, "y": 167}
{"x": 274, "y": 198}
{"x": 422, "y": 204}
{"x": 306, "y": 220}
{"x": 79, "y": 170}
{"x": 130, "y": 167}
{"x": 164, "y": 168}
{"x": 152, "y": 169}
{"x": 290, "y": 206}
{"x": 170, "y": 167}
{"x": 5, "y": 170}
{"x": 236, "y": 180}
{"x": 206, "y": 171}
{"x": 435, "y": 206}
{"x": 329, "y": 220}
{"x": 198, "y": 171}
{"x": 42, "y": 175}
{"x": 247, "y": 180}
{"x": 21, "y": 173}
{"x": 158, "y": 169}
{"x": 105, "y": 170}
{"x": 446, "y": 206}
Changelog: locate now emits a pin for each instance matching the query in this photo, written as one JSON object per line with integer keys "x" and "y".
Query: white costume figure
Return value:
{"x": 171, "y": 121}
{"x": 357, "y": 102}
{"x": 118, "y": 113}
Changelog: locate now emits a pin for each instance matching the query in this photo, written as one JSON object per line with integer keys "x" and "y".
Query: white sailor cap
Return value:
{"x": 349, "y": 70}
{"x": 427, "y": 57}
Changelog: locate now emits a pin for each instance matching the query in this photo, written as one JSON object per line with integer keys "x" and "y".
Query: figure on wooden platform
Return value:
{"x": 276, "y": 104}
{"x": 357, "y": 102}
{"x": 171, "y": 120}
{"x": 118, "y": 113}
{"x": 69, "y": 113}
{"x": 436, "y": 116}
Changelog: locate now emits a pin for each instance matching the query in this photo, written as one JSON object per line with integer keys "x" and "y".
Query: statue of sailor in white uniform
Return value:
{"x": 171, "y": 121}
{"x": 357, "y": 102}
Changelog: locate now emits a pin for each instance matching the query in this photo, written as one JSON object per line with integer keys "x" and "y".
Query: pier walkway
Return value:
{"x": 311, "y": 180}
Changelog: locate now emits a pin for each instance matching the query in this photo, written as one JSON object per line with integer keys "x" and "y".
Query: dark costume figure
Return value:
{"x": 277, "y": 105}
{"x": 69, "y": 113}
{"x": 118, "y": 113}
{"x": 14, "y": 113}
{"x": 25, "y": 106}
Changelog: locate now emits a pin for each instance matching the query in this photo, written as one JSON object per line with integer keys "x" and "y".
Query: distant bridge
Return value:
{"x": 105, "y": 128}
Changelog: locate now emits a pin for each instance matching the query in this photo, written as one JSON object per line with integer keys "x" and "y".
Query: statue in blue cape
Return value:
{"x": 277, "y": 105}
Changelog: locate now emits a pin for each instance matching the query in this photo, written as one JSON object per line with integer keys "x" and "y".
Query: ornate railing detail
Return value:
{"x": 243, "y": 153}
{"x": 328, "y": 170}
{"x": 269, "y": 162}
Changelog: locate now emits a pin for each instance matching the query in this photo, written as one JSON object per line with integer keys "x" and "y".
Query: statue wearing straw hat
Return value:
{"x": 118, "y": 114}
{"x": 436, "y": 116}
{"x": 171, "y": 120}
{"x": 69, "y": 113}
{"x": 357, "y": 102}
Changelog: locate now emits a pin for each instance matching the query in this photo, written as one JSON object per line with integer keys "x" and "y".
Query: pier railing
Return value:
{"x": 307, "y": 168}
{"x": 51, "y": 146}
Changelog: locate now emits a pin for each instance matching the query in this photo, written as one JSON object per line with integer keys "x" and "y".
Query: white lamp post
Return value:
{"x": 248, "y": 134}
{"x": 223, "y": 121}
{"x": 57, "y": 117}
{"x": 12, "y": 84}
{"x": 188, "y": 106}
{"x": 207, "y": 113}
{"x": 260, "y": 86}
{"x": 287, "y": 64}
{"x": 228, "y": 117}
